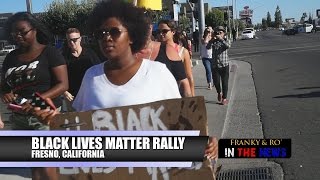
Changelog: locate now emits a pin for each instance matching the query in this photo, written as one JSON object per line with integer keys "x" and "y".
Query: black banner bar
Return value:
{"x": 102, "y": 148}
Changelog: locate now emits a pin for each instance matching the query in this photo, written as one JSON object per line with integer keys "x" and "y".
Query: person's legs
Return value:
{"x": 216, "y": 81}
{"x": 196, "y": 46}
{"x": 207, "y": 66}
{"x": 225, "y": 79}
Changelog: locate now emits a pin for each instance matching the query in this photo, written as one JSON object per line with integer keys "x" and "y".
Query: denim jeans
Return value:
{"x": 221, "y": 75}
{"x": 207, "y": 63}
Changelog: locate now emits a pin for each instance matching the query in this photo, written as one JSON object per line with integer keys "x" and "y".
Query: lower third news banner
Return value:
{"x": 102, "y": 148}
{"x": 254, "y": 148}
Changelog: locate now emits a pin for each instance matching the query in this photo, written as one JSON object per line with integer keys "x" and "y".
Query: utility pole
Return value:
{"x": 29, "y": 6}
{"x": 191, "y": 5}
{"x": 201, "y": 16}
{"x": 228, "y": 28}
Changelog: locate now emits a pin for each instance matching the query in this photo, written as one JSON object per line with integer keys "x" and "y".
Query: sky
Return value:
{"x": 289, "y": 8}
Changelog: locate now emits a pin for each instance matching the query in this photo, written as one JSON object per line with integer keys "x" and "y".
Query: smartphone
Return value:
{"x": 39, "y": 101}
{"x": 14, "y": 107}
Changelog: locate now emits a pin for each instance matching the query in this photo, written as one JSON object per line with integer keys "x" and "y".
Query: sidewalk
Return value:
{"x": 239, "y": 119}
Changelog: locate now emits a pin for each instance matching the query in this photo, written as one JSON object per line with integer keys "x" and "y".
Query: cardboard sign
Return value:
{"x": 174, "y": 114}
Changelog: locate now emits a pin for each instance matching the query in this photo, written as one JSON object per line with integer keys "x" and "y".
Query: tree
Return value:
{"x": 215, "y": 18}
{"x": 184, "y": 23}
{"x": 268, "y": 19}
{"x": 62, "y": 15}
{"x": 258, "y": 26}
{"x": 264, "y": 23}
{"x": 277, "y": 17}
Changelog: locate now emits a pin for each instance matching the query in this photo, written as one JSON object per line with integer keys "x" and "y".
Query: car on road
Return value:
{"x": 290, "y": 31}
{"x": 247, "y": 34}
{"x": 251, "y": 29}
{"x": 7, "y": 49}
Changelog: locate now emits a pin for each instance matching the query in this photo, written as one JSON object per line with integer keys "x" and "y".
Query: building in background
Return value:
{"x": 246, "y": 15}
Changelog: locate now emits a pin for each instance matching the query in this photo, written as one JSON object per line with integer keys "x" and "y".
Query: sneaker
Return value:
{"x": 219, "y": 97}
{"x": 224, "y": 102}
{"x": 209, "y": 86}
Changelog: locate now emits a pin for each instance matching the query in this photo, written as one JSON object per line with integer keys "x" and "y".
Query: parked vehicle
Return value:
{"x": 304, "y": 28}
{"x": 290, "y": 31}
{"x": 248, "y": 34}
{"x": 7, "y": 49}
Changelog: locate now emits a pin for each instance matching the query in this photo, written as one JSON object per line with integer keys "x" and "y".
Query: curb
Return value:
{"x": 243, "y": 120}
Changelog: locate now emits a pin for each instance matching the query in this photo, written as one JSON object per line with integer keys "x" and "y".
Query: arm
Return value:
{"x": 226, "y": 45}
{"x": 209, "y": 45}
{"x": 184, "y": 87}
{"x": 7, "y": 95}
{"x": 61, "y": 79}
{"x": 187, "y": 66}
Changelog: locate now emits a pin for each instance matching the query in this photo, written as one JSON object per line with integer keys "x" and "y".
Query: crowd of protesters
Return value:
{"x": 135, "y": 68}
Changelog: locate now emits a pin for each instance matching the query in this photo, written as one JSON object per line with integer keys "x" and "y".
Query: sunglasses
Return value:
{"x": 74, "y": 40}
{"x": 163, "y": 31}
{"x": 20, "y": 33}
{"x": 114, "y": 32}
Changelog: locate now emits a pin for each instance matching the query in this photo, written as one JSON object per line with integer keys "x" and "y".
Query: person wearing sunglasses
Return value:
{"x": 170, "y": 52}
{"x": 123, "y": 79}
{"x": 156, "y": 51}
{"x": 35, "y": 66}
{"x": 78, "y": 60}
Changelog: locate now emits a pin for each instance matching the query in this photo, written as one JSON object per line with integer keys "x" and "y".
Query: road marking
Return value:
{"x": 273, "y": 50}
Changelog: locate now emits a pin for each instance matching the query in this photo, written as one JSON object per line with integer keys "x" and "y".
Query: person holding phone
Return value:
{"x": 34, "y": 67}
{"x": 206, "y": 56}
{"x": 220, "y": 65}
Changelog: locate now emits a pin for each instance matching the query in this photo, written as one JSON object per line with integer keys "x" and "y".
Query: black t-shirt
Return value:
{"x": 25, "y": 78}
{"x": 175, "y": 67}
{"x": 77, "y": 67}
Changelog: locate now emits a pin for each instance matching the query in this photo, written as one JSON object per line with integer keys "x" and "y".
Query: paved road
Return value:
{"x": 286, "y": 76}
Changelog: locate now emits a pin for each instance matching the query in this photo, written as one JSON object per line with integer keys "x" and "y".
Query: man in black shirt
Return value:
{"x": 78, "y": 60}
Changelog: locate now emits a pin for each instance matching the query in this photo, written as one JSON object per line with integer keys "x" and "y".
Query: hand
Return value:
{"x": 211, "y": 151}
{"x": 68, "y": 96}
{"x": 45, "y": 116}
{"x": 9, "y": 97}
{"x": 220, "y": 37}
{"x": 27, "y": 108}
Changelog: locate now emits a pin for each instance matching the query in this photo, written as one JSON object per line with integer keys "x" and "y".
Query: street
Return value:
{"x": 286, "y": 77}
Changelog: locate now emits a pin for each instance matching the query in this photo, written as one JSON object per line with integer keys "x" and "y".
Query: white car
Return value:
{"x": 247, "y": 34}
{"x": 251, "y": 29}
{"x": 7, "y": 49}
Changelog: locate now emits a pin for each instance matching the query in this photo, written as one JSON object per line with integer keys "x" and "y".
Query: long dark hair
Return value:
{"x": 43, "y": 34}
